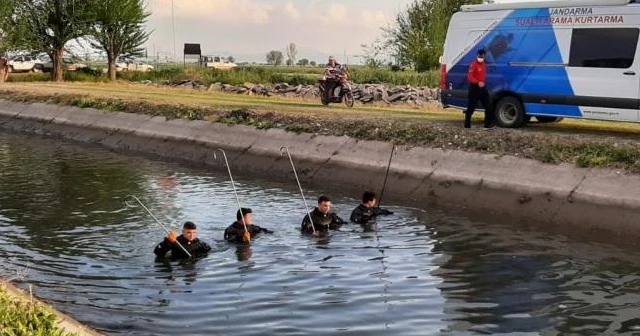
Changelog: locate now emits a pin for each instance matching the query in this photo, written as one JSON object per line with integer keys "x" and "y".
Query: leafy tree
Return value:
{"x": 231, "y": 59}
{"x": 275, "y": 57}
{"x": 5, "y": 13}
{"x": 417, "y": 38}
{"x": 292, "y": 53}
{"x": 374, "y": 53}
{"x": 47, "y": 25}
{"x": 303, "y": 62}
{"x": 119, "y": 29}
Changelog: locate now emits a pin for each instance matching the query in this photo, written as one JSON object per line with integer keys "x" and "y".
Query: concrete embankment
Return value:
{"x": 65, "y": 322}
{"x": 562, "y": 198}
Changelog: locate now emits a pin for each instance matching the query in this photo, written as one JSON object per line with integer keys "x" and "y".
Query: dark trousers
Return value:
{"x": 476, "y": 94}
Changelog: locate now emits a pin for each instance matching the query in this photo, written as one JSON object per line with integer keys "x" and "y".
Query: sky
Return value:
{"x": 248, "y": 29}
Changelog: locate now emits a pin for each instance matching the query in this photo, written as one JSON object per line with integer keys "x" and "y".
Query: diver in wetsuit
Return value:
{"x": 323, "y": 219}
{"x": 187, "y": 239}
{"x": 235, "y": 233}
{"x": 367, "y": 211}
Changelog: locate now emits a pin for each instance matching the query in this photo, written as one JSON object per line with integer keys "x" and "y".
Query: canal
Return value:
{"x": 66, "y": 230}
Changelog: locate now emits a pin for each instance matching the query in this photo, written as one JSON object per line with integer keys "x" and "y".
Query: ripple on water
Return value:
{"x": 67, "y": 232}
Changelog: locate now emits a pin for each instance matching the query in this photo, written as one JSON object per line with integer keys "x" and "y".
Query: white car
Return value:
{"x": 216, "y": 62}
{"x": 24, "y": 63}
{"x": 129, "y": 64}
{"x": 45, "y": 64}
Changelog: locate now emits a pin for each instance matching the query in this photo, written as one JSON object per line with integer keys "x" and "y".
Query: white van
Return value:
{"x": 548, "y": 59}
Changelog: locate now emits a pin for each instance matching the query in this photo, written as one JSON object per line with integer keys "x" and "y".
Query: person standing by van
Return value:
{"x": 478, "y": 91}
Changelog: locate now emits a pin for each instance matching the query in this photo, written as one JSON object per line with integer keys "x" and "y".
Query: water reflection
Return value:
{"x": 188, "y": 272}
{"x": 63, "y": 219}
{"x": 244, "y": 252}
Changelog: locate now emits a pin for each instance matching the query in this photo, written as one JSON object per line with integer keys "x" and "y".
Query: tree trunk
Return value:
{"x": 3, "y": 69}
{"x": 111, "y": 63}
{"x": 57, "y": 65}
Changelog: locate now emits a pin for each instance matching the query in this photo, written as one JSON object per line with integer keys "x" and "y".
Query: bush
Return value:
{"x": 26, "y": 318}
{"x": 253, "y": 74}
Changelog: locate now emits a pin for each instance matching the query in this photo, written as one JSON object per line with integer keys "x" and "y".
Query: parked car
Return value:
{"x": 216, "y": 62}
{"x": 45, "y": 64}
{"x": 130, "y": 64}
{"x": 23, "y": 63}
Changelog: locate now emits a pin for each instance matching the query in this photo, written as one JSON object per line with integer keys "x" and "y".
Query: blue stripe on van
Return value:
{"x": 550, "y": 109}
{"x": 511, "y": 41}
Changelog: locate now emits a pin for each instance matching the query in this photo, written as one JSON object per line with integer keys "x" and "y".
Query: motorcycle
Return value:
{"x": 340, "y": 86}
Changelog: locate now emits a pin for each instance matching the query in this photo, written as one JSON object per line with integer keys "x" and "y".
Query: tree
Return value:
{"x": 118, "y": 29}
{"x": 292, "y": 53}
{"x": 374, "y": 53}
{"x": 275, "y": 57}
{"x": 303, "y": 62}
{"x": 231, "y": 59}
{"x": 313, "y": 63}
{"x": 47, "y": 25}
{"x": 5, "y": 12}
{"x": 418, "y": 35}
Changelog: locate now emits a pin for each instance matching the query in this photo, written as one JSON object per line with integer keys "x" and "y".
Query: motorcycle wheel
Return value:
{"x": 324, "y": 99}
{"x": 324, "y": 96}
{"x": 348, "y": 99}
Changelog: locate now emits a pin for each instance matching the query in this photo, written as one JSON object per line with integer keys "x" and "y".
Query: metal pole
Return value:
{"x": 155, "y": 219}
{"x": 224, "y": 155}
{"x": 173, "y": 18}
{"x": 299, "y": 186}
{"x": 393, "y": 151}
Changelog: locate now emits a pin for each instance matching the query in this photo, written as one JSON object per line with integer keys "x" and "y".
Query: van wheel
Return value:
{"x": 546, "y": 120}
{"x": 510, "y": 113}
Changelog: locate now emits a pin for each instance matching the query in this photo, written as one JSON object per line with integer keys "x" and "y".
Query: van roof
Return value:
{"x": 544, "y": 4}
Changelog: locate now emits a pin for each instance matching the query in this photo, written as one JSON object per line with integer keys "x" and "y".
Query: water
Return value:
{"x": 66, "y": 230}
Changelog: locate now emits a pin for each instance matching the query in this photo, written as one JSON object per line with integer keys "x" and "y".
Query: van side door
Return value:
{"x": 604, "y": 72}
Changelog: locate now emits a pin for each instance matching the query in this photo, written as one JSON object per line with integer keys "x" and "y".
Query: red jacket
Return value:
{"x": 477, "y": 72}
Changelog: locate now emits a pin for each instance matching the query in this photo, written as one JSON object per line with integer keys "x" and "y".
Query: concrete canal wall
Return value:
{"x": 561, "y": 198}
{"x": 65, "y": 322}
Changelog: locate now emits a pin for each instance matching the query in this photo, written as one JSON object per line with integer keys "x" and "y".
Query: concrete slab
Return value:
{"x": 11, "y": 109}
{"x": 510, "y": 188}
{"x": 40, "y": 112}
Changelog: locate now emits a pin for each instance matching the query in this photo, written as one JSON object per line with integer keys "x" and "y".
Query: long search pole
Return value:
{"x": 154, "y": 218}
{"x": 282, "y": 151}
{"x": 173, "y": 18}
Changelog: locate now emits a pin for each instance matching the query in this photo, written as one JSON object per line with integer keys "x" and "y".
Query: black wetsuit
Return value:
{"x": 363, "y": 215}
{"x": 234, "y": 232}
{"x": 194, "y": 247}
{"x": 321, "y": 222}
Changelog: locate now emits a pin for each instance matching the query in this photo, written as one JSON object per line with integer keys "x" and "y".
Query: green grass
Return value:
{"x": 21, "y": 318}
{"x": 583, "y": 143}
{"x": 245, "y": 74}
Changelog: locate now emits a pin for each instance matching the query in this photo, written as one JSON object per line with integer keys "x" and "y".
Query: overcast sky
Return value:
{"x": 250, "y": 28}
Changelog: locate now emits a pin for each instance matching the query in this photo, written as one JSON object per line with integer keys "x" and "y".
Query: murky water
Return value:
{"x": 66, "y": 230}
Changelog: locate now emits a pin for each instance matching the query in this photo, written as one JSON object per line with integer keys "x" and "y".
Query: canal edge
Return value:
{"x": 65, "y": 322}
{"x": 564, "y": 198}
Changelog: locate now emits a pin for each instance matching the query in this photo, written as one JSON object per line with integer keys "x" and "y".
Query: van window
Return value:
{"x": 603, "y": 47}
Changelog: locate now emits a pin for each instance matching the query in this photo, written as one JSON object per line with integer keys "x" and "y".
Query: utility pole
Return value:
{"x": 173, "y": 18}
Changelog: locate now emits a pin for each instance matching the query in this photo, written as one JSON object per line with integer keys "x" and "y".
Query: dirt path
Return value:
{"x": 586, "y": 143}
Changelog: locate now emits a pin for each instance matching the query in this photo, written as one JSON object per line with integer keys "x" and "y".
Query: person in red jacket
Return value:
{"x": 478, "y": 91}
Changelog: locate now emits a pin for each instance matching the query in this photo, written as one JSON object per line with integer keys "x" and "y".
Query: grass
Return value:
{"x": 580, "y": 142}
{"x": 21, "y": 317}
{"x": 246, "y": 74}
